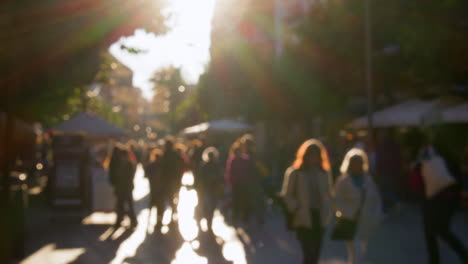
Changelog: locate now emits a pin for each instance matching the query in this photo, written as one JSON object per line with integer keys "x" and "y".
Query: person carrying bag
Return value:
{"x": 441, "y": 198}
{"x": 358, "y": 205}
{"x": 345, "y": 228}
{"x": 307, "y": 197}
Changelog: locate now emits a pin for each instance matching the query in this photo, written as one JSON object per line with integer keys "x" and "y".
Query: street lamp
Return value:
{"x": 370, "y": 101}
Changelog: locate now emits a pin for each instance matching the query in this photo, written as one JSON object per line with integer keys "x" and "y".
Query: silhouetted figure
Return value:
{"x": 209, "y": 183}
{"x": 388, "y": 170}
{"x": 438, "y": 210}
{"x": 307, "y": 195}
{"x": 122, "y": 172}
{"x": 239, "y": 178}
{"x": 172, "y": 169}
{"x": 259, "y": 184}
{"x": 153, "y": 173}
{"x": 195, "y": 153}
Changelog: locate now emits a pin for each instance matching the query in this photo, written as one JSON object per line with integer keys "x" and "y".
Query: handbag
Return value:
{"x": 436, "y": 175}
{"x": 345, "y": 228}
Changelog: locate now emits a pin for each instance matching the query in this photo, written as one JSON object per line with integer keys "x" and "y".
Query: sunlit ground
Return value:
{"x": 49, "y": 254}
{"x": 188, "y": 227}
{"x": 233, "y": 249}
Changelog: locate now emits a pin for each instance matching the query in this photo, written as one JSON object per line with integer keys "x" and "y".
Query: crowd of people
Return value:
{"x": 312, "y": 199}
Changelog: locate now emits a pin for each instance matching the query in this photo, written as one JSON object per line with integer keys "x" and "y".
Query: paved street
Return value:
{"x": 63, "y": 239}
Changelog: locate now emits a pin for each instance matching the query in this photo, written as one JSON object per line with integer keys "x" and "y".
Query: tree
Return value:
{"x": 417, "y": 51}
{"x": 51, "y": 47}
{"x": 170, "y": 89}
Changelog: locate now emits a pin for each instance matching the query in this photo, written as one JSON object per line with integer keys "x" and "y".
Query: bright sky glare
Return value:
{"x": 186, "y": 45}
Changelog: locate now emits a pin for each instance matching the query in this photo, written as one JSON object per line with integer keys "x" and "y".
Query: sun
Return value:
{"x": 193, "y": 13}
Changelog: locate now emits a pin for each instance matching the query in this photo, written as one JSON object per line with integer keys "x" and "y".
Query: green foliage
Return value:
{"x": 52, "y": 47}
{"x": 51, "y": 116}
{"x": 419, "y": 49}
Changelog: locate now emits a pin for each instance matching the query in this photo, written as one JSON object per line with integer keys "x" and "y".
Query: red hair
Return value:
{"x": 304, "y": 148}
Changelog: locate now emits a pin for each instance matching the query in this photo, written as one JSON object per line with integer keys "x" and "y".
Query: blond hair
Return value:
{"x": 352, "y": 153}
{"x": 207, "y": 151}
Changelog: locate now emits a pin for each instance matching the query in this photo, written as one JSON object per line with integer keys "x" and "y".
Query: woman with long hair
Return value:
{"x": 307, "y": 194}
{"x": 357, "y": 200}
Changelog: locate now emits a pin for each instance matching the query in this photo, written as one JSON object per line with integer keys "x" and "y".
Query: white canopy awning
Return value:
{"x": 217, "y": 126}
{"x": 409, "y": 113}
{"x": 457, "y": 114}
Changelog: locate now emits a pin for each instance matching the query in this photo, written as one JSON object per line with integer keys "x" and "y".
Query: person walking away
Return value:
{"x": 260, "y": 177}
{"x": 239, "y": 172}
{"x": 122, "y": 172}
{"x": 388, "y": 170}
{"x": 306, "y": 191}
{"x": 172, "y": 169}
{"x": 439, "y": 203}
{"x": 209, "y": 183}
{"x": 195, "y": 154}
{"x": 157, "y": 186}
{"x": 358, "y": 202}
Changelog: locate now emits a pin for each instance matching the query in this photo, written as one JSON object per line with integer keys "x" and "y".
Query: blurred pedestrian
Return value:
{"x": 260, "y": 183}
{"x": 307, "y": 195}
{"x": 441, "y": 193}
{"x": 157, "y": 186}
{"x": 121, "y": 173}
{"x": 195, "y": 153}
{"x": 358, "y": 205}
{"x": 209, "y": 183}
{"x": 388, "y": 170}
{"x": 239, "y": 174}
{"x": 172, "y": 169}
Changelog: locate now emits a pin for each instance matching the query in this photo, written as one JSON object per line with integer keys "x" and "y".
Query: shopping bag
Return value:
{"x": 436, "y": 175}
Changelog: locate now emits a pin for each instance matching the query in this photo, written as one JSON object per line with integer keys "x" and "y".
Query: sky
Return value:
{"x": 186, "y": 45}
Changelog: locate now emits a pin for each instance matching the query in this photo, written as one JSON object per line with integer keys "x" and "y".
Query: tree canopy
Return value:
{"x": 50, "y": 48}
{"x": 419, "y": 49}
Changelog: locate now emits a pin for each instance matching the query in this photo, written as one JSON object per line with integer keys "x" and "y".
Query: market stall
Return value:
{"x": 79, "y": 180}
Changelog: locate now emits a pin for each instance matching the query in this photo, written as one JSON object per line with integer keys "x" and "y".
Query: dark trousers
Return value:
{"x": 125, "y": 207}
{"x": 437, "y": 216}
{"x": 241, "y": 203}
{"x": 311, "y": 239}
{"x": 207, "y": 205}
{"x": 158, "y": 199}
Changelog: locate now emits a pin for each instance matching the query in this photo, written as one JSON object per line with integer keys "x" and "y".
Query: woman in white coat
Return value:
{"x": 306, "y": 192}
{"x": 357, "y": 198}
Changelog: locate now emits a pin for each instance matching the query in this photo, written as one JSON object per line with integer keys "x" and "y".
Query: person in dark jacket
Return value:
{"x": 209, "y": 183}
{"x": 239, "y": 175}
{"x": 157, "y": 191}
{"x": 172, "y": 169}
{"x": 122, "y": 172}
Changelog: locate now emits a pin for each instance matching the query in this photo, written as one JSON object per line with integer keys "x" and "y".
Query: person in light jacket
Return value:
{"x": 306, "y": 192}
{"x": 354, "y": 183}
{"x": 439, "y": 208}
